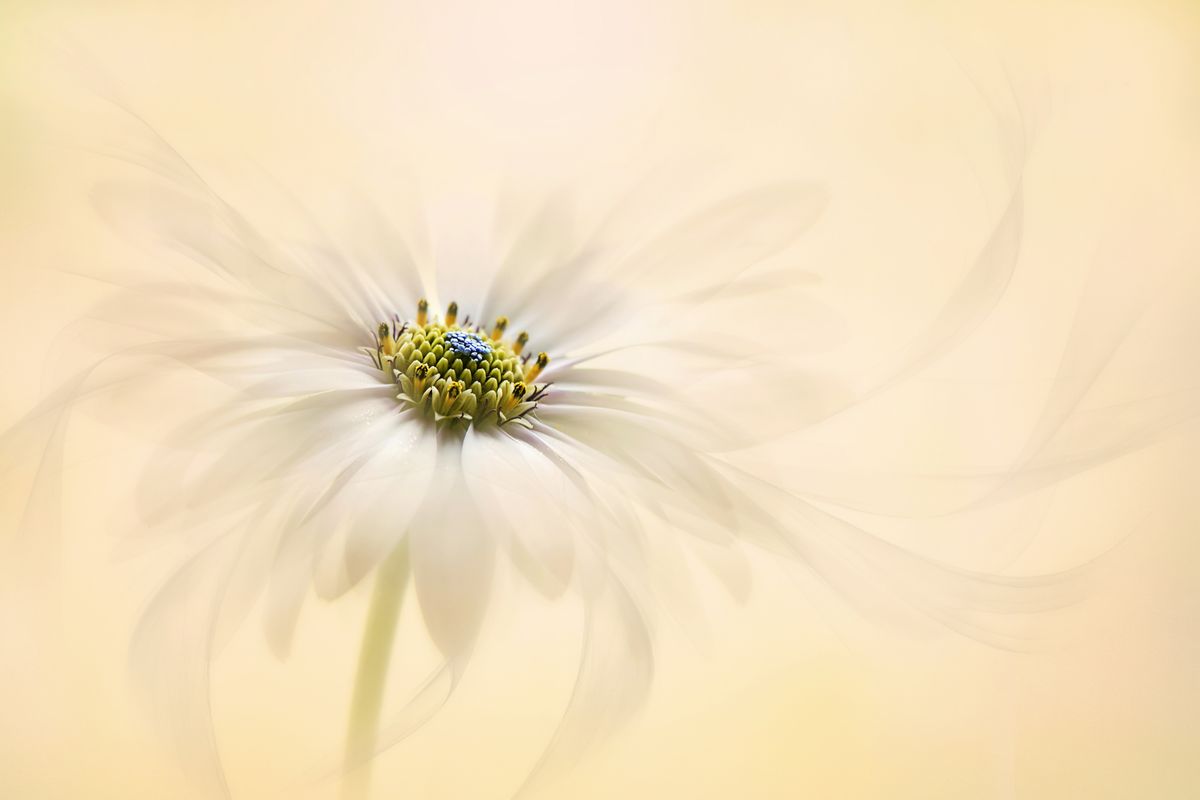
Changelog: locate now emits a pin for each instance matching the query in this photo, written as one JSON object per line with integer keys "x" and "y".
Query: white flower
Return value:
{"x": 449, "y": 409}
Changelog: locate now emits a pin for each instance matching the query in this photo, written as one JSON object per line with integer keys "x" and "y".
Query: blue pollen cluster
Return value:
{"x": 468, "y": 345}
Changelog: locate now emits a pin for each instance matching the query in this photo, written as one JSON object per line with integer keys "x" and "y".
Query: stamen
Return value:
{"x": 387, "y": 345}
{"x": 511, "y": 396}
{"x": 450, "y": 396}
{"x": 451, "y": 313}
{"x": 420, "y": 377}
{"x": 498, "y": 330}
{"x": 422, "y": 311}
{"x": 532, "y": 373}
{"x": 522, "y": 339}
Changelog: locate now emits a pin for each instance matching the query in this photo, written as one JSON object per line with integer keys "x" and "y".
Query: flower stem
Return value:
{"x": 371, "y": 679}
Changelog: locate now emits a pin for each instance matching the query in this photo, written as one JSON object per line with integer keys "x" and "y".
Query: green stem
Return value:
{"x": 371, "y": 679}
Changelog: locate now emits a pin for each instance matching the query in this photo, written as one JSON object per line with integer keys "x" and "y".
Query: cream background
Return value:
{"x": 894, "y": 108}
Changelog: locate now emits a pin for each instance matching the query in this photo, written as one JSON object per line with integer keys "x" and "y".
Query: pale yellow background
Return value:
{"x": 894, "y": 107}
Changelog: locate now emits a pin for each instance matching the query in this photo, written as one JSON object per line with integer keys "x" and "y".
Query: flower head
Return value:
{"x": 358, "y": 418}
{"x": 455, "y": 375}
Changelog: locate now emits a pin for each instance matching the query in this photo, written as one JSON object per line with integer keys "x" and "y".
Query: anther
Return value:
{"x": 451, "y": 313}
{"x": 451, "y": 395}
{"x": 539, "y": 365}
{"x": 498, "y": 330}
{"x": 422, "y": 311}
{"x": 511, "y": 396}
{"x": 387, "y": 345}
{"x": 420, "y": 375}
{"x": 522, "y": 339}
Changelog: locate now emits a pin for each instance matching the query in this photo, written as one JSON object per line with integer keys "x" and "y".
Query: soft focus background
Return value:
{"x": 921, "y": 119}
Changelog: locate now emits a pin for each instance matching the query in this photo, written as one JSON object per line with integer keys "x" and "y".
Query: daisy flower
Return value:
{"x": 419, "y": 409}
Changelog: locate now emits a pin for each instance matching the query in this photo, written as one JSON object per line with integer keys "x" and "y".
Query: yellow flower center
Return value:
{"x": 459, "y": 374}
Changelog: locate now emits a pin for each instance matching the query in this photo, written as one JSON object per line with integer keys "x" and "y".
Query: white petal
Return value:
{"x": 452, "y": 549}
{"x": 523, "y": 494}
{"x": 615, "y": 670}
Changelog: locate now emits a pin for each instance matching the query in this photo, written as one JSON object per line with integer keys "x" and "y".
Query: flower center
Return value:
{"x": 459, "y": 374}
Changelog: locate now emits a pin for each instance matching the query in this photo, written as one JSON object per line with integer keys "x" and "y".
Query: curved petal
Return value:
{"x": 451, "y": 549}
